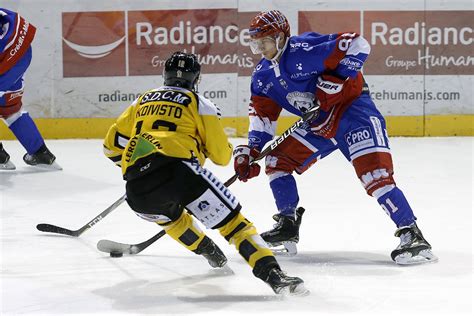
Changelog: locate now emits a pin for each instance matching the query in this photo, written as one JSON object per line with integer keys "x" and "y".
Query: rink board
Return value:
{"x": 91, "y": 59}
{"x": 432, "y": 125}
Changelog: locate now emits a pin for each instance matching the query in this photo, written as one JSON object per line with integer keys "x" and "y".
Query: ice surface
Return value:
{"x": 344, "y": 252}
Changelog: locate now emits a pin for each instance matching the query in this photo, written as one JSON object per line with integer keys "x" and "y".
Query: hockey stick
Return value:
{"x": 76, "y": 233}
{"x": 116, "y": 248}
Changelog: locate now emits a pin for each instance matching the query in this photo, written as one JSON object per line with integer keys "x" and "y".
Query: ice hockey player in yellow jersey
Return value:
{"x": 161, "y": 142}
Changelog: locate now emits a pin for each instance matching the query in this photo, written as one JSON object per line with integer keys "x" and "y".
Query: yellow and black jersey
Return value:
{"x": 170, "y": 121}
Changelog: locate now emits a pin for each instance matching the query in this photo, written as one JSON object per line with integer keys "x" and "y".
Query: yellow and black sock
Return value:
{"x": 243, "y": 235}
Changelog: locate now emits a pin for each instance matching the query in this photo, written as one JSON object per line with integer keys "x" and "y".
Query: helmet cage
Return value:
{"x": 258, "y": 45}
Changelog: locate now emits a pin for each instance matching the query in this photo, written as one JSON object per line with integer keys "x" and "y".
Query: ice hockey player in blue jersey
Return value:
{"x": 16, "y": 35}
{"x": 297, "y": 73}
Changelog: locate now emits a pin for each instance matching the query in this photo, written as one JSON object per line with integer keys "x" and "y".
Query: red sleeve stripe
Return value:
{"x": 265, "y": 107}
{"x": 341, "y": 46}
{"x": 19, "y": 43}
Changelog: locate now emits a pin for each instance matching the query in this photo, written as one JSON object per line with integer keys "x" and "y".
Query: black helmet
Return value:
{"x": 182, "y": 70}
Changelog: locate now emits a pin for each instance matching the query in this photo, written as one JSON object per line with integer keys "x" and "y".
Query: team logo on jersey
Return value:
{"x": 299, "y": 66}
{"x": 301, "y": 100}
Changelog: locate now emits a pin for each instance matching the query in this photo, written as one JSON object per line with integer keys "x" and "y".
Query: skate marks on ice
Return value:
{"x": 31, "y": 169}
{"x": 355, "y": 263}
{"x": 180, "y": 294}
{"x": 345, "y": 262}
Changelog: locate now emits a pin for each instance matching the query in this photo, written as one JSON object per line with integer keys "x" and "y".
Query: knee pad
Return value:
{"x": 10, "y": 103}
{"x": 375, "y": 171}
{"x": 7, "y": 111}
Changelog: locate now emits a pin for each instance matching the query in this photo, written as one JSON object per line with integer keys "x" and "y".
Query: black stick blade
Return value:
{"x": 48, "y": 228}
{"x": 109, "y": 246}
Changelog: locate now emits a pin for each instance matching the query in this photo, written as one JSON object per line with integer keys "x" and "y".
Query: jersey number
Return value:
{"x": 393, "y": 207}
{"x": 156, "y": 125}
{"x": 345, "y": 41}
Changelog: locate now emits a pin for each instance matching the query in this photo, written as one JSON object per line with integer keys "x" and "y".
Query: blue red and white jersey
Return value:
{"x": 290, "y": 84}
{"x": 16, "y": 35}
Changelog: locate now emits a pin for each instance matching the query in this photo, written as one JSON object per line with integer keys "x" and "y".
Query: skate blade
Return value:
{"x": 285, "y": 249}
{"x": 53, "y": 167}
{"x": 299, "y": 290}
{"x": 7, "y": 166}
{"x": 222, "y": 271}
{"x": 424, "y": 256}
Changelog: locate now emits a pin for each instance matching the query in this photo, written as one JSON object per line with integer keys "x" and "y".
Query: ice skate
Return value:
{"x": 214, "y": 255}
{"x": 43, "y": 158}
{"x": 5, "y": 163}
{"x": 284, "y": 236}
{"x": 285, "y": 285}
{"x": 413, "y": 248}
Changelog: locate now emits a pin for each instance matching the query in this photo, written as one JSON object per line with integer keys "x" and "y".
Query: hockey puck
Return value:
{"x": 116, "y": 254}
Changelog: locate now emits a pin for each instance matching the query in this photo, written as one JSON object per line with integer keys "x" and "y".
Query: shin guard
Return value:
{"x": 243, "y": 235}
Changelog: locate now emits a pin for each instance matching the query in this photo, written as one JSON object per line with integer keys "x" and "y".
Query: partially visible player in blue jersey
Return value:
{"x": 295, "y": 74}
{"x": 16, "y": 35}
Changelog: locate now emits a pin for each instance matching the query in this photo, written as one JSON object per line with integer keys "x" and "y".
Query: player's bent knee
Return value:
{"x": 375, "y": 171}
{"x": 185, "y": 231}
{"x": 10, "y": 103}
{"x": 7, "y": 111}
{"x": 377, "y": 181}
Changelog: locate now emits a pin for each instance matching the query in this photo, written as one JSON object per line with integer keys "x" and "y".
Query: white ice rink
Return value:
{"x": 345, "y": 246}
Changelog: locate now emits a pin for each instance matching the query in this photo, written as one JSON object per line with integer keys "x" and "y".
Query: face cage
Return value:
{"x": 257, "y": 45}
